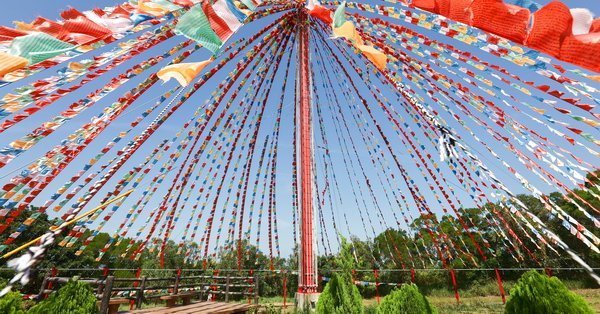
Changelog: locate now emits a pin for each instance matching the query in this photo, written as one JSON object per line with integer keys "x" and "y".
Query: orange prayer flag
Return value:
{"x": 184, "y": 73}
{"x": 348, "y": 30}
{"x": 152, "y": 8}
{"x": 376, "y": 56}
{"x": 9, "y": 63}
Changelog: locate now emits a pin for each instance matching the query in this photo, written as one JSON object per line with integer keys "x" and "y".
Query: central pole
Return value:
{"x": 307, "y": 260}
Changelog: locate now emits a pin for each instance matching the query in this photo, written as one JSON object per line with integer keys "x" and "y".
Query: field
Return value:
{"x": 468, "y": 305}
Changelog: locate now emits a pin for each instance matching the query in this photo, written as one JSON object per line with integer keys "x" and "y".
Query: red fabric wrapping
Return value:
{"x": 506, "y": 20}
{"x": 377, "y": 285}
{"x": 71, "y": 14}
{"x": 443, "y": 7}
{"x": 184, "y": 3}
{"x": 119, "y": 12}
{"x": 459, "y": 10}
{"x": 129, "y": 8}
{"x": 83, "y": 31}
{"x": 427, "y": 5}
{"x": 322, "y": 13}
{"x": 500, "y": 285}
{"x": 455, "y": 286}
{"x": 8, "y": 34}
{"x": 49, "y": 27}
{"x": 551, "y": 25}
{"x": 216, "y": 22}
{"x": 579, "y": 51}
{"x": 99, "y": 12}
{"x": 595, "y": 26}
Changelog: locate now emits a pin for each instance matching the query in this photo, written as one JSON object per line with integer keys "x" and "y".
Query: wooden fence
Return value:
{"x": 144, "y": 288}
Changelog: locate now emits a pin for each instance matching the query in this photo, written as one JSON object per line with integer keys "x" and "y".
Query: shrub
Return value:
{"x": 11, "y": 303}
{"x": 371, "y": 309}
{"x": 76, "y": 297}
{"x": 408, "y": 299}
{"x": 340, "y": 295}
{"x": 537, "y": 293}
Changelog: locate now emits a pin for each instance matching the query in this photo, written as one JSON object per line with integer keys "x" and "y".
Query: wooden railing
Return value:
{"x": 144, "y": 288}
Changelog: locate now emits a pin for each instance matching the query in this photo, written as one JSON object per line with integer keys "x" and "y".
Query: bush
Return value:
{"x": 340, "y": 295}
{"x": 371, "y": 309}
{"x": 11, "y": 303}
{"x": 76, "y": 297}
{"x": 407, "y": 299}
{"x": 537, "y": 293}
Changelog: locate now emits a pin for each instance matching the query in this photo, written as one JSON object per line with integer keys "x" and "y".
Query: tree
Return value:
{"x": 406, "y": 300}
{"x": 340, "y": 294}
{"x": 76, "y": 297}
{"x": 11, "y": 303}
{"x": 537, "y": 293}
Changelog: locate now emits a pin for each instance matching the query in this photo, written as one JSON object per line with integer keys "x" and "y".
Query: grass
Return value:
{"x": 473, "y": 300}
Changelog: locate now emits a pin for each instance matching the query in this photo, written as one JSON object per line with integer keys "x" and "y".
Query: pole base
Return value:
{"x": 307, "y": 300}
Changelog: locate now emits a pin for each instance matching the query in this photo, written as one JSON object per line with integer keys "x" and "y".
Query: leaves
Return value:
{"x": 406, "y": 300}
{"x": 537, "y": 293}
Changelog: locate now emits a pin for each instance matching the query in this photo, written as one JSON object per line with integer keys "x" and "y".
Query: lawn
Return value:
{"x": 475, "y": 304}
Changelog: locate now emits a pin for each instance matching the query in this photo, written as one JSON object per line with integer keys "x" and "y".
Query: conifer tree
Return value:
{"x": 340, "y": 295}
{"x": 11, "y": 303}
{"x": 537, "y": 293}
{"x": 406, "y": 300}
{"x": 76, "y": 297}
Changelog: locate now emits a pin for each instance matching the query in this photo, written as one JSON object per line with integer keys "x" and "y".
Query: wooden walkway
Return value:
{"x": 198, "y": 308}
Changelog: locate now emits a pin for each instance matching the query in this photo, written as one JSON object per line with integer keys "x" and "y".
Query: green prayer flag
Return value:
{"x": 339, "y": 18}
{"x": 167, "y": 4}
{"x": 38, "y": 47}
{"x": 249, "y": 4}
{"x": 195, "y": 25}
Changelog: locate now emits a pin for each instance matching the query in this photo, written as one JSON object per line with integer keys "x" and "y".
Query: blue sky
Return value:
{"x": 51, "y": 9}
{"x": 28, "y": 10}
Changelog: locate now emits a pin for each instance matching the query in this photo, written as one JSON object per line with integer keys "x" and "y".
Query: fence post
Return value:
{"x": 455, "y": 287}
{"x": 227, "y": 281}
{"x": 135, "y": 284}
{"x": 250, "y": 297}
{"x": 43, "y": 287}
{"x": 140, "y": 296}
{"x": 412, "y": 276}
{"x": 284, "y": 290}
{"x": 176, "y": 285}
{"x": 377, "y": 285}
{"x": 548, "y": 272}
{"x": 256, "y": 284}
{"x": 106, "y": 293}
{"x": 213, "y": 296}
{"x": 500, "y": 285}
{"x": 53, "y": 274}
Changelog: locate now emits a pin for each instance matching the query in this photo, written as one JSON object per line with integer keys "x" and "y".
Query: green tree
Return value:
{"x": 406, "y": 300}
{"x": 340, "y": 294}
{"x": 537, "y": 293}
{"x": 11, "y": 303}
{"x": 76, "y": 297}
